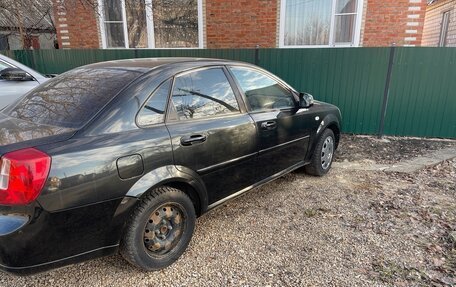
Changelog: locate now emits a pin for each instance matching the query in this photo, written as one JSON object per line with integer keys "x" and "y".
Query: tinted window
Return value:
{"x": 261, "y": 91}
{"x": 203, "y": 93}
{"x": 4, "y": 66}
{"x": 153, "y": 111}
{"x": 71, "y": 99}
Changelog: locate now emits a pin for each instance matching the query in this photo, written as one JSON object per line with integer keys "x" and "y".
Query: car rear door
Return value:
{"x": 283, "y": 128}
{"x": 211, "y": 133}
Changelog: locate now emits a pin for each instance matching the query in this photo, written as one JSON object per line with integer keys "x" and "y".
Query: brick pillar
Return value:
{"x": 394, "y": 21}
{"x": 76, "y": 25}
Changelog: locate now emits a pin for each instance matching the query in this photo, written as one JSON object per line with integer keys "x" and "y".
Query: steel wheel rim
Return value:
{"x": 164, "y": 229}
{"x": 327, "y": 152}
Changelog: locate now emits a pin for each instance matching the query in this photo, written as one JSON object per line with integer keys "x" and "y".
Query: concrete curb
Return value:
{"x": 406, "y": 166}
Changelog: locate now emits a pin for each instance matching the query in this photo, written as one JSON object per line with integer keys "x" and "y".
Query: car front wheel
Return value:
{"x": 323, "y": 155}
{"x": 159, "y": 230}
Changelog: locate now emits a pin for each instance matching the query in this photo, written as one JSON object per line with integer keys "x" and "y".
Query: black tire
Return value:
{"x": 163, "y": 209}
{"x": 316, "y": 166}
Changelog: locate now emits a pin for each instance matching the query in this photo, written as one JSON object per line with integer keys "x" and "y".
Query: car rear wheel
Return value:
{"x": 159, "y": 230}
{"x": 323, "y": 155}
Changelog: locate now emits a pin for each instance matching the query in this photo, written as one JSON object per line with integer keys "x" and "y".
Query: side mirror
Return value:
{"x": 305, "y": 100}
{"x": 15, "y": 74}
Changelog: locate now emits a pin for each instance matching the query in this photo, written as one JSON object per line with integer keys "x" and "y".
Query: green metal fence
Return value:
{"x": 420, "y": 101}
{"x": 422, "y": 98}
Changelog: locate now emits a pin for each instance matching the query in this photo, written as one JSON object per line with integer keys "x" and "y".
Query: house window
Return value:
{"x": 4, "y": 42}
{"x": 32, "y": 42}
{"x": 175, "y": 23}
{"x": 151, "y": 23}
{"x": 136, "y": 23}
{"x": 320, "y": 23}
{"x": 444, "y": 29}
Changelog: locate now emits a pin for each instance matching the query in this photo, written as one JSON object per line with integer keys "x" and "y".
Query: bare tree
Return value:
{"x": 314, "y": 31}
{"x": 176, "y": 23}
{"x": 25, "y": 18}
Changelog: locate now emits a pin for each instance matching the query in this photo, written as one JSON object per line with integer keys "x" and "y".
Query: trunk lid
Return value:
{"x": 18, "y": 134}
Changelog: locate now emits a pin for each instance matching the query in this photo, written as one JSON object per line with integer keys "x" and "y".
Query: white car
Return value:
{"x": 16, "y": 79}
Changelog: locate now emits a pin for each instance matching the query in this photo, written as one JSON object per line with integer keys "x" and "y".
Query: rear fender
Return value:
{"x": 170, "y": 174}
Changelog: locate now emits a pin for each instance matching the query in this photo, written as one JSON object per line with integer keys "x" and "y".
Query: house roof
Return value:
{"x": 35, "y": 14}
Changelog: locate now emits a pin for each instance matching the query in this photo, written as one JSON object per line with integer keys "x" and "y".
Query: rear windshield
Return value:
{"x": 73, "y": 98}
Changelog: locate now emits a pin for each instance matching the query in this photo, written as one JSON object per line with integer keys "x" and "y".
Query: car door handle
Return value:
{"x": 192, "y": 139}
{"x": 269, "y": 125}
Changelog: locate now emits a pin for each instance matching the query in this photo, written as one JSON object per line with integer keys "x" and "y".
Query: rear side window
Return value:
{"x": 153, "y": 111}
{"x": 71, "y": 99}
{"x": 203, "y": 93}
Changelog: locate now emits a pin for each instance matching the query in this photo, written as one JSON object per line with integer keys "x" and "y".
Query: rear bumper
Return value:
{"x": 35, "y": 240}
{"x": 12, "y": 223}
{"x": 33, "y": 269}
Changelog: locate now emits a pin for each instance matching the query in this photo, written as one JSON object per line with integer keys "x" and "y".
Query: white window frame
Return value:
{"x": 150, "y": 27}
{"x": 357, "y": 28}
{"x": 444, "y": 26}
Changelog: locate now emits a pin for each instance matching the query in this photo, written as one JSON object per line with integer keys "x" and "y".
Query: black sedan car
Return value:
{"x": 124, "y": 155}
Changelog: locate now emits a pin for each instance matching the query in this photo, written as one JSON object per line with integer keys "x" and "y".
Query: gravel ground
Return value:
{"x": 349, "y": 228}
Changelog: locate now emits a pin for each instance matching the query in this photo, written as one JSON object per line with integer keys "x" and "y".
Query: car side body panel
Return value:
{"x": 10, "y": 91}
{"x": 282, "y": 145}
{"x": 328, "y": 115}
{"x": 224, "y": 159}
{"x": 100, "y": 171}
{"x": 85, "y": 171}
{"x": 171, "y": 174}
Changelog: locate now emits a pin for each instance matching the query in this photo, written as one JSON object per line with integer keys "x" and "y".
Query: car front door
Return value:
{"x": 283, "y": 128}
{"x": 211, "y": 133}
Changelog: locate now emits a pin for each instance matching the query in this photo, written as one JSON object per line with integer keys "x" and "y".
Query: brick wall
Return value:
{"x": 247, "y": 23}
{"x": 241, "y": 23}
{"x": 433, "y": 22}
{"x": 76, "y": 25}
{"x": 394, "y": 21}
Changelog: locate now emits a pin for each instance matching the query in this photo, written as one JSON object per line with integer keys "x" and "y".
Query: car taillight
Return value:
{"x": 22, "y": 175}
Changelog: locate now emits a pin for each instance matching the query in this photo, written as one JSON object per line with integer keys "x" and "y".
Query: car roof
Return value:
{"x": 145, "y": 64}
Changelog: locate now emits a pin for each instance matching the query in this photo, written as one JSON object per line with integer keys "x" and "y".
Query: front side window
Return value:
{"x": 261, "y": 91}
{"x": 150, "y": 23}
{"x": 203, "y": 93}
{"x": 320, "y": 22}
